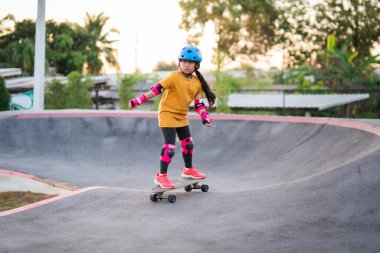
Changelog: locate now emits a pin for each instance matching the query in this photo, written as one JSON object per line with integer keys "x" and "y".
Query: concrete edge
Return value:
{"x": 14, "y": 173}
{"x": 193, "y": 116}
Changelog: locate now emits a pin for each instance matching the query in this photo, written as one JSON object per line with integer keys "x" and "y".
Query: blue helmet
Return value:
{"x": 190, "y": 53}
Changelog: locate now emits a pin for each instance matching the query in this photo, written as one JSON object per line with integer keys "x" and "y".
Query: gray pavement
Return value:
{"x": 274, "y": 187}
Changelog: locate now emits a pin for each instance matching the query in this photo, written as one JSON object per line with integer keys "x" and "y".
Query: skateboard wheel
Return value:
{"x": 204, "y": 188}
{"x": 172, "y": 198}
{"x": 188, "y": 188}
{"x": 153, "y": 197}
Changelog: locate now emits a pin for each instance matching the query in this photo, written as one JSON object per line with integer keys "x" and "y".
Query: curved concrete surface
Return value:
{"x": 11, "y": 181}
{"x": 277, "y": 184}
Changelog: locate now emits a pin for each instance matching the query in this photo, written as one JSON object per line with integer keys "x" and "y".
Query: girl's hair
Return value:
{"x": 210, "y": 95}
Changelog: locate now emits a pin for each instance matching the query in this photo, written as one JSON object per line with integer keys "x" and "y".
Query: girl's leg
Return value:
{"x": 187, "y": 151}
{"x": 184, "y": 136}
{"x": 168, "y": 149}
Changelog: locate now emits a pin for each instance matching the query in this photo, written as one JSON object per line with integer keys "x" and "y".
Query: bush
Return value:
{"x": 76, "y": 94}
{"x": 5, "y": 98}
{"x": 55, "y": 95}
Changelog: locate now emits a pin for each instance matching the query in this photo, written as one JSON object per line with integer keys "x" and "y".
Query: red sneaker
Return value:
{"x": 163, "y": 181}
{"x": 192, "y": 173}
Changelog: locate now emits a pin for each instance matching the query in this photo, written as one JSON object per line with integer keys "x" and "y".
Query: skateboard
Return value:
{"x": 188, "y": 184}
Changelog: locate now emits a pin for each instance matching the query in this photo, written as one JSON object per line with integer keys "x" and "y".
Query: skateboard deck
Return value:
{"x": 188, "y": 183}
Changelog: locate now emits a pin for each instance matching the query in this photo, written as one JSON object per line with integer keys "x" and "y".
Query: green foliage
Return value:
{"x": 223, "y": 89}
{"x": 231, "y": 82}
{"x": 55, "y": 95}
{"x": 17, "y": 46}
{"x": 299, "y": 76}
{"x": 342, "y": 67}
{"x": 337, "y": 68}
{"x": 74, "y": 95}
{"x": 62, "y": 51}
{"x": 99, "y": 44}
{"x": 359, "y": 20}
{"x": 69, "y": 47}
{"x": 242, "y": 27}
{"x": 78, "y": 94}
{"x": 126, "y": 89}
{"x": 4, "y": 96}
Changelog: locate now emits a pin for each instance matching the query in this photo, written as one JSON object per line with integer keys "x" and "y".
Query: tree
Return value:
{"x": 294, "y": 34}
{"x": 99, "y": 44}
{"x": 17, "y": 46}
{"x": 243, "y": 28}
{"x": 359, "y": 19}
{"x": 69, "y": 46}
{"x": 66, "y": 43}
{"x": 5, "y": 98}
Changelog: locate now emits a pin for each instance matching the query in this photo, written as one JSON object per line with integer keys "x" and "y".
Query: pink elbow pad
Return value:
{"x": 157, "y": 89}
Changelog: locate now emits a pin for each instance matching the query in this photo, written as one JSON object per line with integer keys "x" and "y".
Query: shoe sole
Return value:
{"x": 190, "y": 176}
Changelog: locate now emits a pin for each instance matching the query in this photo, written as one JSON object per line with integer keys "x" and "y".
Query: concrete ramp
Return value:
{"x": 276, "y": 184}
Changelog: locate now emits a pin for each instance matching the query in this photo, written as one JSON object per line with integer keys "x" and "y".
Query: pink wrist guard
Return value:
{"x": 204, "y": 115}
{"x": 139, "y": 100}
{"x": 199, "y": 105}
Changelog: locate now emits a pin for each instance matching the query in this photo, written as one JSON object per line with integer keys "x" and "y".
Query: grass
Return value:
{"x": 14, "y": 199}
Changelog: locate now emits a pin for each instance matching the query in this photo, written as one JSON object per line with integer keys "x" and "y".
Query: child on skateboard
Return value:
{"x": 179, "y": 89}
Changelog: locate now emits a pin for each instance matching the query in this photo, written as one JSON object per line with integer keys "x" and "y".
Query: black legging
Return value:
{"x": 169, "y": 134}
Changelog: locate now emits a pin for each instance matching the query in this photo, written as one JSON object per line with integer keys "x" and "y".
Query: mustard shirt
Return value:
{"x": 178, "y": 95}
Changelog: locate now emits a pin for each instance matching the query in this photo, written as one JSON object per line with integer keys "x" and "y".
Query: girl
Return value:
{"x": 179, "y": 89}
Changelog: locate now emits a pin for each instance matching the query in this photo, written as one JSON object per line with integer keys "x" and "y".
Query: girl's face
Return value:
{"x": 187, "y": 67}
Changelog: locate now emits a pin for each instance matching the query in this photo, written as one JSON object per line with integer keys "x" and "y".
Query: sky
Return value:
{"x": 152, "y": 23}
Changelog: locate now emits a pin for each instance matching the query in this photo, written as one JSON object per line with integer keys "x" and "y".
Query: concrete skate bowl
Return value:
{"x": 276, "y": 184}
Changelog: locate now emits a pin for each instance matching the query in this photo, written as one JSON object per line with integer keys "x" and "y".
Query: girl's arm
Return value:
{"x": 154, "y": 91}
{"x": 200, "y": 108}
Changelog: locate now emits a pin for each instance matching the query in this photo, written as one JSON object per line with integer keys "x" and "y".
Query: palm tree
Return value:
{"x": 99, "y": 46}
{"x": 23, "y": 55}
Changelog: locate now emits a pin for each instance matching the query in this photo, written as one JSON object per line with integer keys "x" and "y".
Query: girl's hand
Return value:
{"x": 207, "y": 121}
{"x": 133, "y": 103}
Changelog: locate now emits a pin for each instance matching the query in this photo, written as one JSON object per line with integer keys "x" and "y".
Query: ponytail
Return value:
{"x": 210, "y": 95}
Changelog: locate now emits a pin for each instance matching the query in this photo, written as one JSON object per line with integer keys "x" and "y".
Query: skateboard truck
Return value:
{"x": 196, "y": 186}
{"x": 160, "y": 196}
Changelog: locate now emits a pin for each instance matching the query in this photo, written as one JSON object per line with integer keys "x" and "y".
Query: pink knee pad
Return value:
{"x": 167, "y": 153}
{"x": 187, "y": 145}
